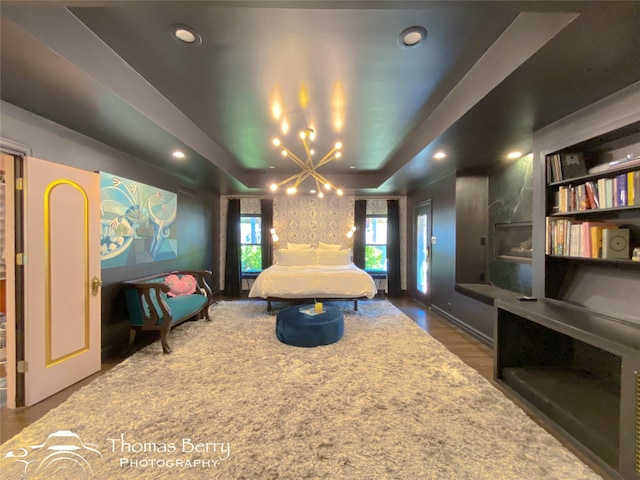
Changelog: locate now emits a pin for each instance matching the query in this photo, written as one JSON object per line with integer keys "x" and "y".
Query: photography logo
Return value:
{"x": 63, "y": 452}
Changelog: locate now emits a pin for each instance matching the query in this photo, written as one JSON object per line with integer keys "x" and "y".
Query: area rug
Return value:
{"x": 387, "y": 401}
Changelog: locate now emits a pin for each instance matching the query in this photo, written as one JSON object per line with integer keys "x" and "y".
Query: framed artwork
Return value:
{"x": 137, "y": 221}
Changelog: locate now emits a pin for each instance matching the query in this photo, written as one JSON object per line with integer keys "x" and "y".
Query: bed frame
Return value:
{"x": 311, "y": 300}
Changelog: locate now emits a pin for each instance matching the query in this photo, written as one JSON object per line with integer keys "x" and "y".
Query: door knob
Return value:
{"x": 95, "y": 285}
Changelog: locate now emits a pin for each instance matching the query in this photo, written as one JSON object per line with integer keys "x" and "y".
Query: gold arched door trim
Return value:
{"x": 48, "y": 255}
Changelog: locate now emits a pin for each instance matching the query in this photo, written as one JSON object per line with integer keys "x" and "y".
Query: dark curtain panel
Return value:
{"x": 266, "y": 212}
{"x": 360, "y": 235}
{"x": 232, "y": 278}
{"x": 393, "y": 248}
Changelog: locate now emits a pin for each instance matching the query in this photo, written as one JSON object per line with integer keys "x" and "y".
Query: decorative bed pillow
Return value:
{"x": 298, "y": 246}
{"x": 329, "y": 246}
{"x": 179, "y": 286}
{"x": 277, "y": 253}
{"x": 333, "y": 257}
{"x": 296, "y": 257}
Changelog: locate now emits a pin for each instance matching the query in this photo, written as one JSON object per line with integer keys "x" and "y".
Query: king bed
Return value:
{"x": 310, "y": 273}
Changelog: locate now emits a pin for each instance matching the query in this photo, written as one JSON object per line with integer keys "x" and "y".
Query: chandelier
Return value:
{"x": 309, "y": 168}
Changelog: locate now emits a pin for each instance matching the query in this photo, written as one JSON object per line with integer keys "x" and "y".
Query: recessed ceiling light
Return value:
{"x": 412, "y": 37}
{"x": 439, "y": 155}
{"x": 352, "y": 167}
{"x": 178, "y": 154}
{"x": 514, "y": 155}
{"x": 185, "y": 35}
{"x": 271, "y": 166}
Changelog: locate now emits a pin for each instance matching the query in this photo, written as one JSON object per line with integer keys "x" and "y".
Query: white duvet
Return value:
{"x": 313, "y": 281}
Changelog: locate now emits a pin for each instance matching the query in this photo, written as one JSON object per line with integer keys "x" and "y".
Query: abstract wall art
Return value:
{"x": 138, "y": 222}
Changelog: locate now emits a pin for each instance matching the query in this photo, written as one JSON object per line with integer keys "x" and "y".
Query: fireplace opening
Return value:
{"x": 513, "y": 242}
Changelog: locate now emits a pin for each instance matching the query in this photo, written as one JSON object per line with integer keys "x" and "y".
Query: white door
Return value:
{"x": 62, "y": 277}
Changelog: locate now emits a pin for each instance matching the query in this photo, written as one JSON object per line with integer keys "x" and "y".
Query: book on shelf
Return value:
{"x": 575, "y": 240}
{"x": 615, "y": 244}
{"x": 564, "y": 166}
{"x": 608, "y": 193}
{"x": 592, "y": 195}
{"x": 620, "y": 198}
{"x": 572, "y": 165}
{"x": 602, "y": 192}
{"x": 633, "y": 188}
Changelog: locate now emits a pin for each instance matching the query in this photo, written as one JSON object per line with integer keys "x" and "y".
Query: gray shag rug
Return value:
{"x": 232, "y": 402}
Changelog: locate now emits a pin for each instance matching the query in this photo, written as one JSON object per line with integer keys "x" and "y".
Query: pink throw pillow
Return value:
{"x": 180, "y": 286}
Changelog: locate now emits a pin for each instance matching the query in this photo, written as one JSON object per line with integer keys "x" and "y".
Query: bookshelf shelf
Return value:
{"x": 595, "y": 261}
{"x": 597, "y": 211}
{"x": 613, "y": 172}
{"x": 577, "y": 370}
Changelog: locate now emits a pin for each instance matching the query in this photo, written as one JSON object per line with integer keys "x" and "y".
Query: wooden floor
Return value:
{"x": 471, "y": 351}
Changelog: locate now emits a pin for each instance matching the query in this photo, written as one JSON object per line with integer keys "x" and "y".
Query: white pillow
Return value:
{"x": 296, "y": 257}
{"x": 298, "y": 246}
{"x": 329, "y": 246}
{"x": 333, "y": 257}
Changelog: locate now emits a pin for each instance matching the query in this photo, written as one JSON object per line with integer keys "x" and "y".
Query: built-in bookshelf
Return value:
{"x": 593, "y": 206}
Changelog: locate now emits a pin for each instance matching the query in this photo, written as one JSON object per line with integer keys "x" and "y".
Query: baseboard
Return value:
{"x": 488, "y": 341}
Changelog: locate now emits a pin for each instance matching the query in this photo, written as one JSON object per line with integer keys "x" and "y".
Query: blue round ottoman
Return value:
{"x": 294, "y": 327}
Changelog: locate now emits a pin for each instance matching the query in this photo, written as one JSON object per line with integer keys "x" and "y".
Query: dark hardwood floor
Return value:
{"x": 471, "y": 351}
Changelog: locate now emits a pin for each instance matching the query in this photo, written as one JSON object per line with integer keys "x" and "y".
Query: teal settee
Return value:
{"x": 151, "y": 307}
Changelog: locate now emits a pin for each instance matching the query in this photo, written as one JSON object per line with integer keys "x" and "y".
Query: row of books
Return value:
{"x": 620, "y": 191}
{"x": 571, "y": 238}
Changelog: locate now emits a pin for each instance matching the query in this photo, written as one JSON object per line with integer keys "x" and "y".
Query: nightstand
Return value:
{"x": 380, "y": 279}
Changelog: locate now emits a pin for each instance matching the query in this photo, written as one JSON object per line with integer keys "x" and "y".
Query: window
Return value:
{"x": 250, "y": 243}
{"x": 375, "y": 250}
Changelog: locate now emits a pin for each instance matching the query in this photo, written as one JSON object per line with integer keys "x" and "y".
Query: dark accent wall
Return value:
{"x": 510, "y": 201}
{"x": 472, "y": 315}
{"x": 198, "y": 212}
{"x": 471, "y": 229}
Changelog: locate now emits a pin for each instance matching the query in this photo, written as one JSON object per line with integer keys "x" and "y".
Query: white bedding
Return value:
{"x": 313, "y": 281}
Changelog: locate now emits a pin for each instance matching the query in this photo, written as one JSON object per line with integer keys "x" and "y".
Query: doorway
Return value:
{"x": 8, "y": 279}
{"x": 51, "y": 336}
{"x": 4, "y": 173}
{"x": 422, "y": 254}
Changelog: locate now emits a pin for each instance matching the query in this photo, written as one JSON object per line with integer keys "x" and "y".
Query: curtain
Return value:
{"x": 232, "y": 277}
{"x": 393, "y": 248}
{"x": 360, "y": 235}
{"x": 266, "y": 213}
